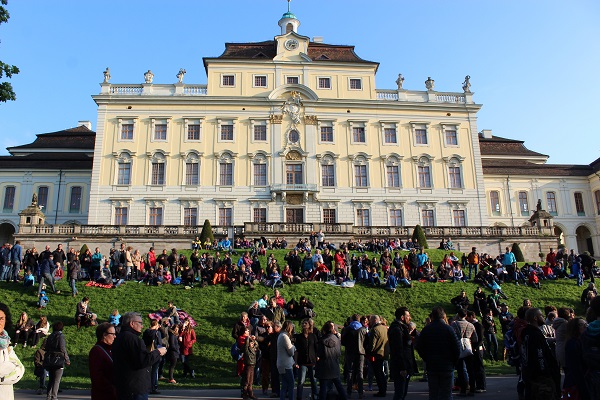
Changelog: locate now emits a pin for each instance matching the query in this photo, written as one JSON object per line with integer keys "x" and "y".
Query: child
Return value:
{"x": 39, "y": 371}
{"x": 115, "y": 318}
{"x": 172, "y": 314}
{"x": 374, "y": 277}
{"x": 28, "y": 280}
{"x": 250, "y": 348}
{"x": 534, "y": 281}
{"x": 43, "y": 300}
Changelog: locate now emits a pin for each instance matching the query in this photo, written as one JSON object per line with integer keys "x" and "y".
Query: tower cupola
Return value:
{"x": 289, "y": 22}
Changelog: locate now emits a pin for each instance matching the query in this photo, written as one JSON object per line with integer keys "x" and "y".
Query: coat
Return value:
{"x": 11, "y": 372}
{"x": 401, "y": 352}
{"x": 285, "y": 353}
{"x": 187, "y": 342}
{"x": 328, "y": 366}
{"x": 101, "y": 367}
{"x": 439, "y": 346}
{"x": 306, "y": 349}
{"x": 132, "y": 363}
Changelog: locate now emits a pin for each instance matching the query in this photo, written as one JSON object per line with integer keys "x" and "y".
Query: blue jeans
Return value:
{"x": 304, "y": 369}
{"x": 5, "y": 275}
{"x": 154, "y": 376}
{"x": 14, "y": 272}
{"x": 492, "y": 344}
{"x": 72, "y": 283}
{"x": 287, "y": 385}
{"x": 50, "y": 279}
{"x": 326, "y": 386}
{"x": 471, "y": 268}
{"x": 440, "y": 384}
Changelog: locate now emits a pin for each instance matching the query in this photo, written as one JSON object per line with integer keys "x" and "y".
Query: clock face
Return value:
{"x": 291, "y": 44}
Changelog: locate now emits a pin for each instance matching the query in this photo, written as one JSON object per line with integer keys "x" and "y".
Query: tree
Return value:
{"x": 207, "y": 233}
{"x": 6, "y": 90}
{"x": 419, "y": 236}
{"x": 517, "y": 252}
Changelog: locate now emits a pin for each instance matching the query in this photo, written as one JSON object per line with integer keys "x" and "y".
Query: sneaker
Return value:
{"x": 57, "y": 292}
{"x": 173, "y": 381}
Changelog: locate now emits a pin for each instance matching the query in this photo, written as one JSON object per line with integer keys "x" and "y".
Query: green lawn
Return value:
{"x": 216, "y": 310}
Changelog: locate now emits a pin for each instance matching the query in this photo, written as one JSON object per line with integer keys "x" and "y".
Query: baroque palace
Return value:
{"x": 288, "y": 136}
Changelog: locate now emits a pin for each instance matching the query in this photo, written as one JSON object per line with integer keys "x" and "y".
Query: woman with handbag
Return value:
{"x": 55, "y": 359}
{"x": 11, "y": 368}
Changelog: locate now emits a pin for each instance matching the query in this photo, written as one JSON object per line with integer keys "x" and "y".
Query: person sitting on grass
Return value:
{"x": 391, "y": 283}
{"x": 286, "y": 275}
{"x": 374, "y": 278}
{"x": 534, "y": 280}
{"x": 403, "y": 276}
{"x": 114, "y": 318}
{"x": 429, "y": 273}
{"x": 42, "y": 300}
{"x": 461, "y": 301}
{"x": 458, "y": 274}
{"x": 84, "y": 316}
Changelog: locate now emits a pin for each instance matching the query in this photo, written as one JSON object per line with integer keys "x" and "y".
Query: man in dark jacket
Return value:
{"x": 439, "y": 347}
{"x": 401, "y": 352}
{"x": 132, "y": 361}
{"x": 478, "y": 367}
{"x": 353, "y": 339}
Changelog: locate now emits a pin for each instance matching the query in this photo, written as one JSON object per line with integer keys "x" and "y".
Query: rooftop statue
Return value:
{"x": 181, "y": 74}
{"x": 148, "y": 76}
{"x": 106, "y": 75}
{"x": 429, "y": 83}
{"x": 400, "y": 81}
{"x": 466, "y": 86}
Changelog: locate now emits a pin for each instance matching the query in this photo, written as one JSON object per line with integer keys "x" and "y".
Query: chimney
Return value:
{"x": 318, "y": 39}
{"x": 87, "y": 124}
{"x": 486, "y": 133}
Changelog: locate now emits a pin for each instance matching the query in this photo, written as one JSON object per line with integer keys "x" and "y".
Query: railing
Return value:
{"x": 390, "y": 95}
{"x": 283, "y": 228}
{"x": 195, "y": 90}
{"x": 420, "y": 96}
{"x": 126, "y": 89}
{"x": 450, "y": 98}
{"x": 304, "y": 187}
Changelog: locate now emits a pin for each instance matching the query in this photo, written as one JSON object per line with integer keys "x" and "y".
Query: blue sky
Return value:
{"x": 533, "y": 64}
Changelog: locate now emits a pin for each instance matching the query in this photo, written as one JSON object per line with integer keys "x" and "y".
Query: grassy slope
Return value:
{"x": 215, "y": 310}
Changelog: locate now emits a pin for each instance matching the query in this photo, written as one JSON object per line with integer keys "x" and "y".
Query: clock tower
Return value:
{"x": 289, "y": 22}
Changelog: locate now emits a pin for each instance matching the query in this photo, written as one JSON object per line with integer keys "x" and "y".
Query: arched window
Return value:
{"x": 158, "y": 169}
{"x": 392, "y": 172}
{"x": 260, "y": 170}
{"x": 192, "y": 170}
{"x": 124, "y": 162}
{"x": 424, "y": 172}
{"x": 361, "y": 171}
{"x": 455, "y": 180}
{"x": 495, "y": 202}
{"x": 327, "y": 171}
{"x": 226, "y": 170}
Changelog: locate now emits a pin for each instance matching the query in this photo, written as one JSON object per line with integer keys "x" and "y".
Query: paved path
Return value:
{"x": 501, "y": 387}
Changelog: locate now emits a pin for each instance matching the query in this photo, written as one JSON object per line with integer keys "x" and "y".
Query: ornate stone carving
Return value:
{"x": 400, "y": 81}
{"x": 466, "y": 86}
{"x": 275, "y": 118}
{"x": 294, "y": 199}
{"x": 292, "y": 107}
{"x": 310, "y": 119}
{"x": 293, "y": 156}
{"x": 429, "y": 84}
{"x": 181, "y": 74}
{"x": 107, "y": 75}
{"x": 148, "y": 76}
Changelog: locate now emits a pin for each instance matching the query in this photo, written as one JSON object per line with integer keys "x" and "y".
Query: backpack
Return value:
{"x": 512, "y": 350}
{"x": 236, "y": 353}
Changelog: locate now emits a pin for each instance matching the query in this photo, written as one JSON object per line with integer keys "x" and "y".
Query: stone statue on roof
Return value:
{"x": 148, "y": 76}
{"x": 106, "y": 75}
{"x": 539, "y": 205}
{"x": 34, "y": 199}
{"x": 181, "y": 74}
{"x": 400, "y": 81}
{"x": 429, "y": 84}
{"x": 466, "y": 86}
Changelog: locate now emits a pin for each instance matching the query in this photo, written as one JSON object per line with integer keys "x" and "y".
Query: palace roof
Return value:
{"x": 79, "y": 137}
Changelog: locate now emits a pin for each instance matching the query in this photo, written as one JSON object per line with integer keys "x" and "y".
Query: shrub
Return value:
{"x": 83, "y": 250}
{"x": 419, "y": 235}
{"x": 517, "y": 252}
{"x": 207, "y": 233}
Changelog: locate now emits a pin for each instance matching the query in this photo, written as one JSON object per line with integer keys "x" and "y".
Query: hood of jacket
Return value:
{"x": 355, "y": 325}
{"x": 593, "y": 329}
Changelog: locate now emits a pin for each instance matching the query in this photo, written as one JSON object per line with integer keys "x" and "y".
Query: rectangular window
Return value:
{"x": 396, "y": 217}
{"x": 329, "y": 216}
{"x": 124, "y": 174}
{"x": 579, "y": 204}
{"x": 363, "y": 217}
{"x": 228, "y": 80}
{"x": 43, "y": 197}
{"x": 390, "y": 135}
{"x": 393, "y": 176}
{"x": 193, "y": 132}
{"x": 451, "y": 138}
{"x": 260, "y": 215}
{"x": 158, "y": 174}
{"x": 190, "y": 216}
{"x": 226, "y": 174}
{"x": 294, "y": 174}
{"x": 226, "y": 132}
{"x": 327, "y": 134}
{"x": 355, "y": 84}
{"x": 9, "y": 198}
{"x": 458, "y": 217}
{"x": 191, "y": 174}
{"x": 292, "y": 80}
{"x": 495, "y": 202}
{"x": 523, "y": 203}
{"x": 327, "y": 175}
{"x": 260, "y": 81}
{"x": 155, "y": 217}
{"x": 324, "y": 83}
{"x": 360, "y": 174}
{"x": 597, "y": 196}
{"x": 358, "y": 134}
{"x": 127, "y": 132}
{"x": 160, "y": 132}
{"x": 421, "y": 136}
{"x": 424, "y": 176}
{"x": 225, "y": 216}
{"x": 260, "y": 133}
{"x": 551, "y": 203}
{"x": 455, "y": 177}
{"x": 427, "y": 216}
{"x": 121, "y": 215}
{"x": 75, "y": 200}
{"x": 260, "y": 174}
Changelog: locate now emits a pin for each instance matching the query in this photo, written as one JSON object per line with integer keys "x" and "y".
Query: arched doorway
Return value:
{"x": 560, "y": 235}
{"x": 584, "y": 240}
{"x": 7, "y": 233}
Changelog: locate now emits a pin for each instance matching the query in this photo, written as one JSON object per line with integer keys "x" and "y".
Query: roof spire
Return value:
{"x": 289, "y": 1}
{"x": 289, "y": 22}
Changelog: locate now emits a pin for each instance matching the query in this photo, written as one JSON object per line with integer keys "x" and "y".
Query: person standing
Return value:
{"x": 11, "y": 368}
{"x": 285, "y": 360}
{"x": 377, "y": 340}
{"x": 539, "y": 368}
{"x": 187, "y": 338}
{"x": 401, "y": 352}
{"x": 55, "y": 359}
{"x": 473, "y": 259}
{"x": 173, "y": 352}
{"x": 353, "y": 339}
{"x": 73, "y": 270}
{"x": 132, "y": 362}
{"x": 328, "y": 364}
{"x": 16, "y": 254}
{"x": 101, "y": 363}
{"x": 152, "y": 338}
{"x": 465, "y": 330}
{"x": 307, "y": 347}
{"x": 509, "y": 262}
{"x": 47, "y": 267}
{"x": 439, "y": 347}
{"x": 478, "y": 367}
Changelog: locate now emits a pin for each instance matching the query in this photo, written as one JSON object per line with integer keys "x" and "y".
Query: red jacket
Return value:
{"x": 187, "y": 342}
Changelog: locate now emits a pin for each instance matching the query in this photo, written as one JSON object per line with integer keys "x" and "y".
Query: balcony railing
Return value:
{"x": 421, "y": 96}
{"x": 154, "y": 90}
{"x": 302, "y": 187}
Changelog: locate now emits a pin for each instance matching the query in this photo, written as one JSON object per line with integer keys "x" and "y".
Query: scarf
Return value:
{"x": 4, "y": 340}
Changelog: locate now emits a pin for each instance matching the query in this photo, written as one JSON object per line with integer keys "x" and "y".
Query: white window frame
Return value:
{"x": 328, "y": 160}
{"x": 424, "y": 160}
{"x": 126, "y": 121}
{"x": 496, "y": 210}
{"x": 455, "y": 163}
{"x": 81, "y": 199}
{"x": 222, "y": 80}
{"x": 392, "y": 219}
{"x": 360, "y": 81}
{"x": 420, "y": 126}
{"x": 358, "y": 124}
{"x": 187, "y": 122}
{"x": 363, "y": 217}
{"x": 124, "y": 157}
{"x": 293, "y": 77}
{"x": 523, "y": 211}
{"x": 328, "y": 219}
{"x": 159, "y": 121}
{"x": 225, "y": 158}
{"x": 581, "y": 202}
{"x": 185, "y": 210}
{"x": 11, "y": 200}
{"x": 260, "y": 76}
{"x": 117, "y": 218}
{"x": 326, "y": 124}
{"x": 160, "y": 215}
{"x": 450, "y": 127}
{"x": 389, "y": 125}
{"x": 225, "y": 215}
{"x": 551, "y": 202}
{"x": 260, "y": 159}
{"x": 191, "y": 158}
{"x": 328, "y": 80}
{"x": 222, "y": 122}
{"x": 259, "y": 122}
{"x": 261, "y": 218}
{"x": 158, "y": 158}
{"x": 422, "y": 216}
{"x": 360, "y": 162}
{"x": 455, "y": 215}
